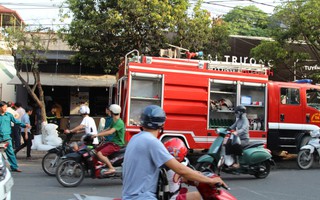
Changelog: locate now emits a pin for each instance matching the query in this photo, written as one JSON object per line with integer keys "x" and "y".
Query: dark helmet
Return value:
{"x": 152, "y": 117}
{"x": 87, "y": 139}
{"x": 240, "y": 109}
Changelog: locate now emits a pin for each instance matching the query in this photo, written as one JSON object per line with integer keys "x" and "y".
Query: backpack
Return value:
{"x": 163, "y": 192}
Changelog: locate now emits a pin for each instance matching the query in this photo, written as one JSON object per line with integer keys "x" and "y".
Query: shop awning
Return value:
{"x": 73, "y": 80}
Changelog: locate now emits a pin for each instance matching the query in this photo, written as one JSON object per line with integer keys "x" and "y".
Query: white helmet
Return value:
{"x": 84, "y": 109}
{"x": 115, "y": 108}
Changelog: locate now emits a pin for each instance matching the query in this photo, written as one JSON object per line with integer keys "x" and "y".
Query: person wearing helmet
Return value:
{"x": 241, "y": 127}
{"x": 178, "y": 150}
{"x": 87, "y": 124}
{"x": 144, "y": 156}
{"x": 114, "y": 137}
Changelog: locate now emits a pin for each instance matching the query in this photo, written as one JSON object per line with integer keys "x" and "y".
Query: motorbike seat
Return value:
{"x": 253, "y": 144}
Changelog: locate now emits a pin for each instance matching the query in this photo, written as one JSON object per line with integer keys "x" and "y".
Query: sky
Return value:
{"x": 46, "y": 12}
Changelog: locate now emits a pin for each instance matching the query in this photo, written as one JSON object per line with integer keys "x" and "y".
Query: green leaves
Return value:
{"x": 248, "y": 21}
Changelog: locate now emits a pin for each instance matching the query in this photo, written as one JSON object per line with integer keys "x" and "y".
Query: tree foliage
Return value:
{"x": 248, "y": 21}
{"x": 104, "y": 31}
{"x": 295, "y": 26}
{"x": 299, "y": 21}
{"x": 29, "y": 48}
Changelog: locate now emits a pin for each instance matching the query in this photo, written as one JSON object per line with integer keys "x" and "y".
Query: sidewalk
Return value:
{"x": 35, "y": 154}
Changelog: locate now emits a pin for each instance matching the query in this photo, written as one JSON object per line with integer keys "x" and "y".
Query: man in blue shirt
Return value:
{"x": 144, "y": 156}
{"x": 5, "y": 130}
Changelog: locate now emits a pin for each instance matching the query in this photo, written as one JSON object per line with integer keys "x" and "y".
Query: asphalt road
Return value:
{"x": 285, "y": 182}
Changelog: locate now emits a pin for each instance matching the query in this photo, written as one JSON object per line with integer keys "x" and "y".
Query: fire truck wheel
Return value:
{"x": 304, "y": 140}
{"x": 163, "y": 140}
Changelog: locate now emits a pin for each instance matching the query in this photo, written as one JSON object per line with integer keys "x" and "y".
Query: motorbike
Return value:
{"x": 6, "y": 180}
{"x": 73, "y": 166}
{"x": 310, "y": 152}
{"x": 51, "y": 159}
{"x": 254, "y": 160}
{"x": 206, "y": 191}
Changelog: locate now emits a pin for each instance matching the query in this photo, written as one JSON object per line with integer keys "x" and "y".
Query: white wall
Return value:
{"x": 7, "y": 72}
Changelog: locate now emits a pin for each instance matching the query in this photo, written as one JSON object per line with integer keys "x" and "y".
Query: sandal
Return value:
{"x": 109, "y": 172}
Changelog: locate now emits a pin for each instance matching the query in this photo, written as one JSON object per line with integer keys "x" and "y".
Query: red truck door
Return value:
{"x": 291, "y": 107}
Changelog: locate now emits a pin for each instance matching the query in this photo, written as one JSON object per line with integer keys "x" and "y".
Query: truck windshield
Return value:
{"x": 313, "y": 98}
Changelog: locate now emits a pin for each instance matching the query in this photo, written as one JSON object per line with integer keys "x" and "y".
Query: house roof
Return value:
{"x": 9, "y": 11}
{"x": 72, "y": 80}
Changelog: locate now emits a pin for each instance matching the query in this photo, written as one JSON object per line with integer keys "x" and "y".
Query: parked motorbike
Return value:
{"x": 73, "y": 166}
{"x": 51, "y": 159}
{"x": 255, "y": 159}
{"x": 310, "y": 152}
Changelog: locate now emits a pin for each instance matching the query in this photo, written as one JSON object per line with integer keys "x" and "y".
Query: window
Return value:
{"x": 313, "y": 98}
{"x": 146, "y": 89}
{"x": 290, "y": 96}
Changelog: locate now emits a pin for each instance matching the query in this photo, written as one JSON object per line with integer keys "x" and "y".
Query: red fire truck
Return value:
{"x": 200, "y": 95}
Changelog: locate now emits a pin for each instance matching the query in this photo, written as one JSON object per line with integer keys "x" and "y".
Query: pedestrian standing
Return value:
{"x": 15, "y": 114}
{"x": 26, "y": 133}
{"x": 5, "y": 130}
{"x": 16, "y": 139}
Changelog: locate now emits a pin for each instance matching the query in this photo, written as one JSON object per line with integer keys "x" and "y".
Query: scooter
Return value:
{"x": 310, "y": 152}
{"x": 206, "y": 191}
{"x": 255, "y": 159}
{"x": 73, "y": 166}
{"x": 51, "y": 159}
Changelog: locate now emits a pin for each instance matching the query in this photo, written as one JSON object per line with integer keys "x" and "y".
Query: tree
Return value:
{"x": 103, "y": 31}
{"x": 29, "y": 48}
{"x": 298, "y": 22}
{"x": 193, "y": 32}
{"x": 294, "y": 26}
{"x": 248, "y": 21}
{"x": 281, "y": 58}
{"x": 218, "y": 43}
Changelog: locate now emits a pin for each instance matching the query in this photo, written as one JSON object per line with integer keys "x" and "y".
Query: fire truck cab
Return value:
{"x": 293, "y": 113}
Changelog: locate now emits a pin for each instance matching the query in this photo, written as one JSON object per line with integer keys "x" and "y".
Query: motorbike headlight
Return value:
{"x": 3, "y": 168}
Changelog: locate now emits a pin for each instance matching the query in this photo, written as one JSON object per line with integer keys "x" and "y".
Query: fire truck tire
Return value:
{"x": 304, "y": 140}
{"x": 165, "y": 139}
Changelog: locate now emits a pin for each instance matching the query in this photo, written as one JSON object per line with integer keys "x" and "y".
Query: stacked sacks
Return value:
{"x": 48, "y": 139}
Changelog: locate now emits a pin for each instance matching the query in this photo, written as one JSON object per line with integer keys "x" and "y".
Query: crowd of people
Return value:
{"x": 15, "y": 127}
{"x": 152, "y": 155}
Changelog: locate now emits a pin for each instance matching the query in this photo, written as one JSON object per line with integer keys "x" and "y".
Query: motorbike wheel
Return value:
{"x": 206, "y": 166}
{"x": 70, "y": 173}
{"x": 305, "y": 159}
{"x": 49, "y": 163}
{"x": 263, "y": 174}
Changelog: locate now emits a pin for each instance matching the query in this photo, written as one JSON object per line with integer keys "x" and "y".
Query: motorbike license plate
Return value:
{"x": 8, "y": 185}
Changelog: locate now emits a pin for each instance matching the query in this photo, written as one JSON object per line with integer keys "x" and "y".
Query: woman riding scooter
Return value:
{"x": 241, "y": 127}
